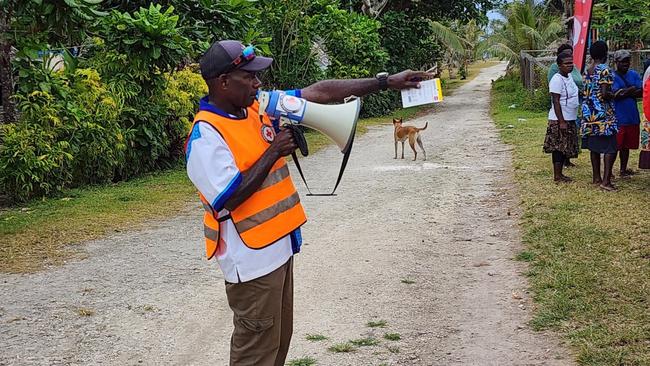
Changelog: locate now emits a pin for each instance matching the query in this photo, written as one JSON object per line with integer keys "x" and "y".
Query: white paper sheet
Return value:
{"x": 427, "y": 93}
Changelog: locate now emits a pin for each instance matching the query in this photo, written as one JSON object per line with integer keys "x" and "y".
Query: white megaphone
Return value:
{"x": 336, "y": 121}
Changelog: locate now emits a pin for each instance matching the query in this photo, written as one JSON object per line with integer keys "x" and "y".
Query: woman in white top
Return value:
{"x": 561, "y": 134}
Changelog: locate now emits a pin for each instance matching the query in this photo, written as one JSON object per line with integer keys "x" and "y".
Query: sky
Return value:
{"x": 493, "y": 15}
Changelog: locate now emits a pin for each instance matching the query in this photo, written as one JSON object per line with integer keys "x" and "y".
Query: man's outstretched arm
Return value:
{"x": 336, "y": 90}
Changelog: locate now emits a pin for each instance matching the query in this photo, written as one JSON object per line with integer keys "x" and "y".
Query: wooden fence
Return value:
{"x": 530, "y": 60}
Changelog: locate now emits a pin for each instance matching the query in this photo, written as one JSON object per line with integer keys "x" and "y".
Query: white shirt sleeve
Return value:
{"x": 556, "y": 85}
{"x": 211, "y": 166}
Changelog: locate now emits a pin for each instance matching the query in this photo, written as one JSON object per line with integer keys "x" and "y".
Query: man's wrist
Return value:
{"x": 382, "y": 79}
{"x": 391, "y": 82}
{"x": 273, "y": 154}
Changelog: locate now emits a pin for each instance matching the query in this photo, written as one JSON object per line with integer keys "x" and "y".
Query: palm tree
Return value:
{"x": 454, "y": 46}
{"x": 526, "y": 26}
{"x": 463, "y": 42}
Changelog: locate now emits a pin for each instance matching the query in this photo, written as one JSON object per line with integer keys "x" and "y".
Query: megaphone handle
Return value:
{"x": 344, "y": 163}
{"x": 299, "y": 138}
{"x": 295, "y": 160}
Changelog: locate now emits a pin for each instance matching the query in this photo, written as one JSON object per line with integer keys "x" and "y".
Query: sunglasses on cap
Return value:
{"x": 247, "y": 55}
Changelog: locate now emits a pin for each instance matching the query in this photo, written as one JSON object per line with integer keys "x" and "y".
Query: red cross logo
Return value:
{"x": 268, "y": 134}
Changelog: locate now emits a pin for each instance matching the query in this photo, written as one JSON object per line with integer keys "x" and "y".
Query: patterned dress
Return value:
{"x": 598, "y": 118}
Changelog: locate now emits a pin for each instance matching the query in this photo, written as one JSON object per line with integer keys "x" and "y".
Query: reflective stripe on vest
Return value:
{"x": 210, "y": 229}
{"x": 274, "y": 210}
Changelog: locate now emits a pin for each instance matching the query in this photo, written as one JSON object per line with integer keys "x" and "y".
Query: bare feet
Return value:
{"x": 627, "y": 173}
{"x": 607, "y": 187}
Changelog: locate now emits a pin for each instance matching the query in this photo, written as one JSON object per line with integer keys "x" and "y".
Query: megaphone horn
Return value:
{"x": 336, "y": 121}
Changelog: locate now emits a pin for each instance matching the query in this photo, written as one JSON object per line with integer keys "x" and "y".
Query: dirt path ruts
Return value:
{"x": 448, "y": 225}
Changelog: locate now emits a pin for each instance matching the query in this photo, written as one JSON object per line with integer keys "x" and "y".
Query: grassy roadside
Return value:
{"x": 588, "y": 250}
{"x": 42, "y": 231}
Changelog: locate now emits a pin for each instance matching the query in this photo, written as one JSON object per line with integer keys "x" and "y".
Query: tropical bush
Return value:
{"x": 295, "y": 52}
{"x": 354, "y": 48}
{"x": 120, "y": 112}
{"x": 352, "y": 43}
{"x": 34, "y": 161}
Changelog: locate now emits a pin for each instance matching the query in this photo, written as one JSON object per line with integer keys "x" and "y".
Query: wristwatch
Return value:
{"x": 382, "y": 77}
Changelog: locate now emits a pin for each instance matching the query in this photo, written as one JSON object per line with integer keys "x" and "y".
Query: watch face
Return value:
{"x": 381, "y": 75}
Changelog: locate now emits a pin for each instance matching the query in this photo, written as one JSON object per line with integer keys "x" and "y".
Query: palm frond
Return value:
{"x": 447, "y": 37}
{"x": 503, "y": 51}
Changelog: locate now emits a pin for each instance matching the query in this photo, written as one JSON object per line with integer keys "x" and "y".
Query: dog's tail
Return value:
{"x": 423, "y": 128}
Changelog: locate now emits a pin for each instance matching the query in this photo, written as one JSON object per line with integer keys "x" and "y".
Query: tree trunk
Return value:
{"x": 372, "y": 8}
{"x": 6, "y": 75}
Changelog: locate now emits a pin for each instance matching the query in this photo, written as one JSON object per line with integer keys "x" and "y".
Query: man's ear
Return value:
{"x": 222, "y": 81}
{"x": 217, "y": 83}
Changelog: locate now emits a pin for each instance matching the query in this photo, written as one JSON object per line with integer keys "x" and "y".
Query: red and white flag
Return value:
{"x": 581, "y": 27}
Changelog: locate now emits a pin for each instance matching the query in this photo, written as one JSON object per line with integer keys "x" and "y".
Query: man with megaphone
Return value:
{"x": 253, "y": 215}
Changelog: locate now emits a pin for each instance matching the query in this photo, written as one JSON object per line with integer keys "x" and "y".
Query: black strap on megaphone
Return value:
{"x": 299, "y": 138}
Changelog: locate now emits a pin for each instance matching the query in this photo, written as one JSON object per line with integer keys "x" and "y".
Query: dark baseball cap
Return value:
{"x": 220, "y": 56}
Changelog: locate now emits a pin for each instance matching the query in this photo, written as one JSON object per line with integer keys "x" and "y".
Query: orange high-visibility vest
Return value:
{"x": 272, "y": 212}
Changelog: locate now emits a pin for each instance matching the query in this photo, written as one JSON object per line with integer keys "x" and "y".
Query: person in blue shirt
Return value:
{"x": 627, "y": 88}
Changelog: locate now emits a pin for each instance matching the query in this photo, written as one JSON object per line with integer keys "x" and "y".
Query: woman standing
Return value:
{"x": 577, "y": 78}
{"x": 561, "y": 139}
{"x": 599, "y": 125}
{"x": 644, "y": 158}
{"x": 627, "y": 88}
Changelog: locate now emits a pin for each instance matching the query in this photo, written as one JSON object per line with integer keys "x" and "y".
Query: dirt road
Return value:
{"x": 424, "y": 246}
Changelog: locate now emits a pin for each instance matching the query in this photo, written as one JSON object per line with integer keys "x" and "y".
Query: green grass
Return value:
{"x": 315, "y": 337}
{"x": 392, "y": 336}
{"x": 393, "y": 349}
{"x": 377, "y": 324}
{"x": 588, "y": 250}
{"x": 305, "y": 361}
{"x": 41, "y": 232}
{"x": 342, "y": 348}
{"x": 365, "y": 342}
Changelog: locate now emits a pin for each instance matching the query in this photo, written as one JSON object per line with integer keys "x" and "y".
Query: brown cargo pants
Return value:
{"x": 263, "y": 318}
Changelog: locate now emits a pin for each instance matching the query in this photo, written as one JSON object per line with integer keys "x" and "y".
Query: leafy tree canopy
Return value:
{"x": 463, "y": 10}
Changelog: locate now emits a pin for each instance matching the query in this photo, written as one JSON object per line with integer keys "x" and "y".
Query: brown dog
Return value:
{"x": 412, "y": 134}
